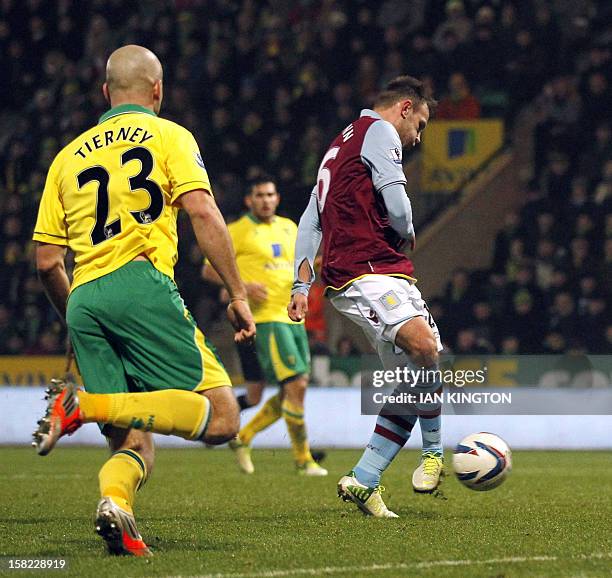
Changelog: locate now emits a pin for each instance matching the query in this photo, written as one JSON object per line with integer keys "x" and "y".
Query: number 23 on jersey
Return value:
{"x": 102, "y": 230}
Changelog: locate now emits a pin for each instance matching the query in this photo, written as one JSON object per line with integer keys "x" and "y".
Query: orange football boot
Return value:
{"x": 63, "y": 416}
{"x": 118, "y": 528}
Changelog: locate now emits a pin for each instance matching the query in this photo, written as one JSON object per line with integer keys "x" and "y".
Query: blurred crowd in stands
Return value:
{"x": 264, "y": 86}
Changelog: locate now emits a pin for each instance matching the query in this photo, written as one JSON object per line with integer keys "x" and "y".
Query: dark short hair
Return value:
{"x": 404, "y": 87}
{"x": 260, "y": 180}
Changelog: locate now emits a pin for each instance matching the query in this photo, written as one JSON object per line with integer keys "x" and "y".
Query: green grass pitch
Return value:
{"x": 552, "y": 517}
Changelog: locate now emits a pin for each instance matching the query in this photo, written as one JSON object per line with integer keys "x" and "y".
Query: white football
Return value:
{"x": 482, "y": 461}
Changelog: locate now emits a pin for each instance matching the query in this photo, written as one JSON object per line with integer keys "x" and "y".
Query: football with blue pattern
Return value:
{"x": 482, "y": 461}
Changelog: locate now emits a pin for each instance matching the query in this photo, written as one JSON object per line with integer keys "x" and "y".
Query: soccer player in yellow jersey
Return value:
{"x": 112, "y": 196}
{"x": 264, "y": 243}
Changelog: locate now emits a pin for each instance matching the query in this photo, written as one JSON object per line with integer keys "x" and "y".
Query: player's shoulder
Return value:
{"x": 240, "y": 223}
{"x": 285, "y": 222}
{"x": 172, "y": 128}
{"x": 381, "y": 129}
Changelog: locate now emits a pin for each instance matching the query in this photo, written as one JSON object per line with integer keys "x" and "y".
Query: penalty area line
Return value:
{"x": 403, "y": 566}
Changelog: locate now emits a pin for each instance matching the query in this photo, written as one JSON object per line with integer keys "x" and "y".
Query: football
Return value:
{"x": 482, "y": 461}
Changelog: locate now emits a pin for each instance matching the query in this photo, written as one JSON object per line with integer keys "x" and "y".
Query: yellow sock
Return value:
{"x": 170, "y": 412}
{"x": 265, "y": 417}
{"x": 94, "y": 406}
{"x": 294, "y": 418}
{"x": 121, "y": 476}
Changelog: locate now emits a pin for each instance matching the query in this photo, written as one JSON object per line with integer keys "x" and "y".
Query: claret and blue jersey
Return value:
{"x": 358, "y": 238}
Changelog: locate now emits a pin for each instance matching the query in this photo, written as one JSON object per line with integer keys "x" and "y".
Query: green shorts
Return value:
{"x": 131, "y": 332}
{"x": 282, "y": 350}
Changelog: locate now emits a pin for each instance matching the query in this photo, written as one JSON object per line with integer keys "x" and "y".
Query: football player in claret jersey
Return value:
{"x": 369, "y": 280}
{"x": 264, "y": 243}
{"x": 112, "y": 196}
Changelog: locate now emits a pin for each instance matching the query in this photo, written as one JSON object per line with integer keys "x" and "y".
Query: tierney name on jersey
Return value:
{"x": 137, "y": 135}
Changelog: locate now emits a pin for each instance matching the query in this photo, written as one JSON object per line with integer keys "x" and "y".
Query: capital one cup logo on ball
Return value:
{"x": 482, "y": 461}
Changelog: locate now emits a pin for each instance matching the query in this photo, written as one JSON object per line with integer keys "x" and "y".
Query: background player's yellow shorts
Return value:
{"x": 282, "y": 350}
{"x": 130, "y": 331}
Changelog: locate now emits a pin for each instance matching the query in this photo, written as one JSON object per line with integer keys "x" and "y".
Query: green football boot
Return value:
{"x": 368, "y": 500}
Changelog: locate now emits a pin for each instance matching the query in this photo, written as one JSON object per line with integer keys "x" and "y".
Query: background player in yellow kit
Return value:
{"x": 112, "y": 196}
{"x": 264, "y": 243}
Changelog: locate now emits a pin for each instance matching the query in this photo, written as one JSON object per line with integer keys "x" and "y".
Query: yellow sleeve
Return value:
{"x": 51, "y": 222}
{"x": 292, "y": 229}
{"x": 186, "y": 168}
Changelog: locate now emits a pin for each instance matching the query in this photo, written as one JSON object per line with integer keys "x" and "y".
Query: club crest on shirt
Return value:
{"x": 198, "y": 160}
{"x": 396, "y": 155}
{"x": 390, "y": 300}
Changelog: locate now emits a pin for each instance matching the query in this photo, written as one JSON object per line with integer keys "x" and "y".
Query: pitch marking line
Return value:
{"x": 402, "y": 566}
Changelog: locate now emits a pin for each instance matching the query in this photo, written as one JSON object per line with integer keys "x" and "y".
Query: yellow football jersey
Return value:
{"x": 264, "y": 253}
{"x": 110, "y": 193}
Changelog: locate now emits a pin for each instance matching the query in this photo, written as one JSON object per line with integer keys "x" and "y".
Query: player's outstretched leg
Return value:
{"x": 269, "y": 413}
{"x": 368, "y": 500}
{"x": 62, "y": 417}
{"x": 123, "y": 474}
{"x": 252, "y": 397}
{"x": 118, "y": 529}
{"x": 293, "y": 414}
{"x": 176, "y": 412}
{"x": 242, "y": 452}
{"x": 417, "y": 339}
{"x": 429, "y": 474}
{"x": 362, "y": 484}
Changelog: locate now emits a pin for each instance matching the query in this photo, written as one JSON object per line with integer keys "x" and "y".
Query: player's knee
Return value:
{"x": 254, "y": 397}
{"x": 225, "y": 418}
{"x": 425, "y": 352}
{"x": 295, "y": 390}
{"x": 145, "y": 449}
{"x": 222, "y": 429}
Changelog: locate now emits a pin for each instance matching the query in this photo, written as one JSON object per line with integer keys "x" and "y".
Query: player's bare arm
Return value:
{"x": 52, "y": 272}
{"x": 215, "y": 243}
{"x": 256, "y": 292}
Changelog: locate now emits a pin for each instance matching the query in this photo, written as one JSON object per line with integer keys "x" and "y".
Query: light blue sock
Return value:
{"x": 430, "y": 420}
{"x": 390, "y": 435}
{"x": 431, "y": 432}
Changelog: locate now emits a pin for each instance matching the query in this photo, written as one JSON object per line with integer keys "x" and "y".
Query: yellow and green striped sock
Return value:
{"x": 269, "y": 413}
{"x": 296, "y": 426}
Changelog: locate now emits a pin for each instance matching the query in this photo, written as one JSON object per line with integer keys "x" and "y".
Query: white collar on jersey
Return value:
{"x": 369, "y": 112}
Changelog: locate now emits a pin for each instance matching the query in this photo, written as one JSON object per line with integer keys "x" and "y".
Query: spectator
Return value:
{"x": 522, "y": 322}
{"x": 468, "y": 344}
{"x": 345, "y": 347}
{"x": 456, "y": 22}
{"x": 559, "y": 110}
{"x": 592, "y": 324}
{"x": 545, "y": 262}
{"x": 460, "y": 103}
{"x": 554, "y": 343}
{"x": 563, "y": 318}
{"x": 483, "y": 325}
{"x": 503, "y": 240}
{"x": 458, "y": 302}
{"x": 510, "y": 345}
